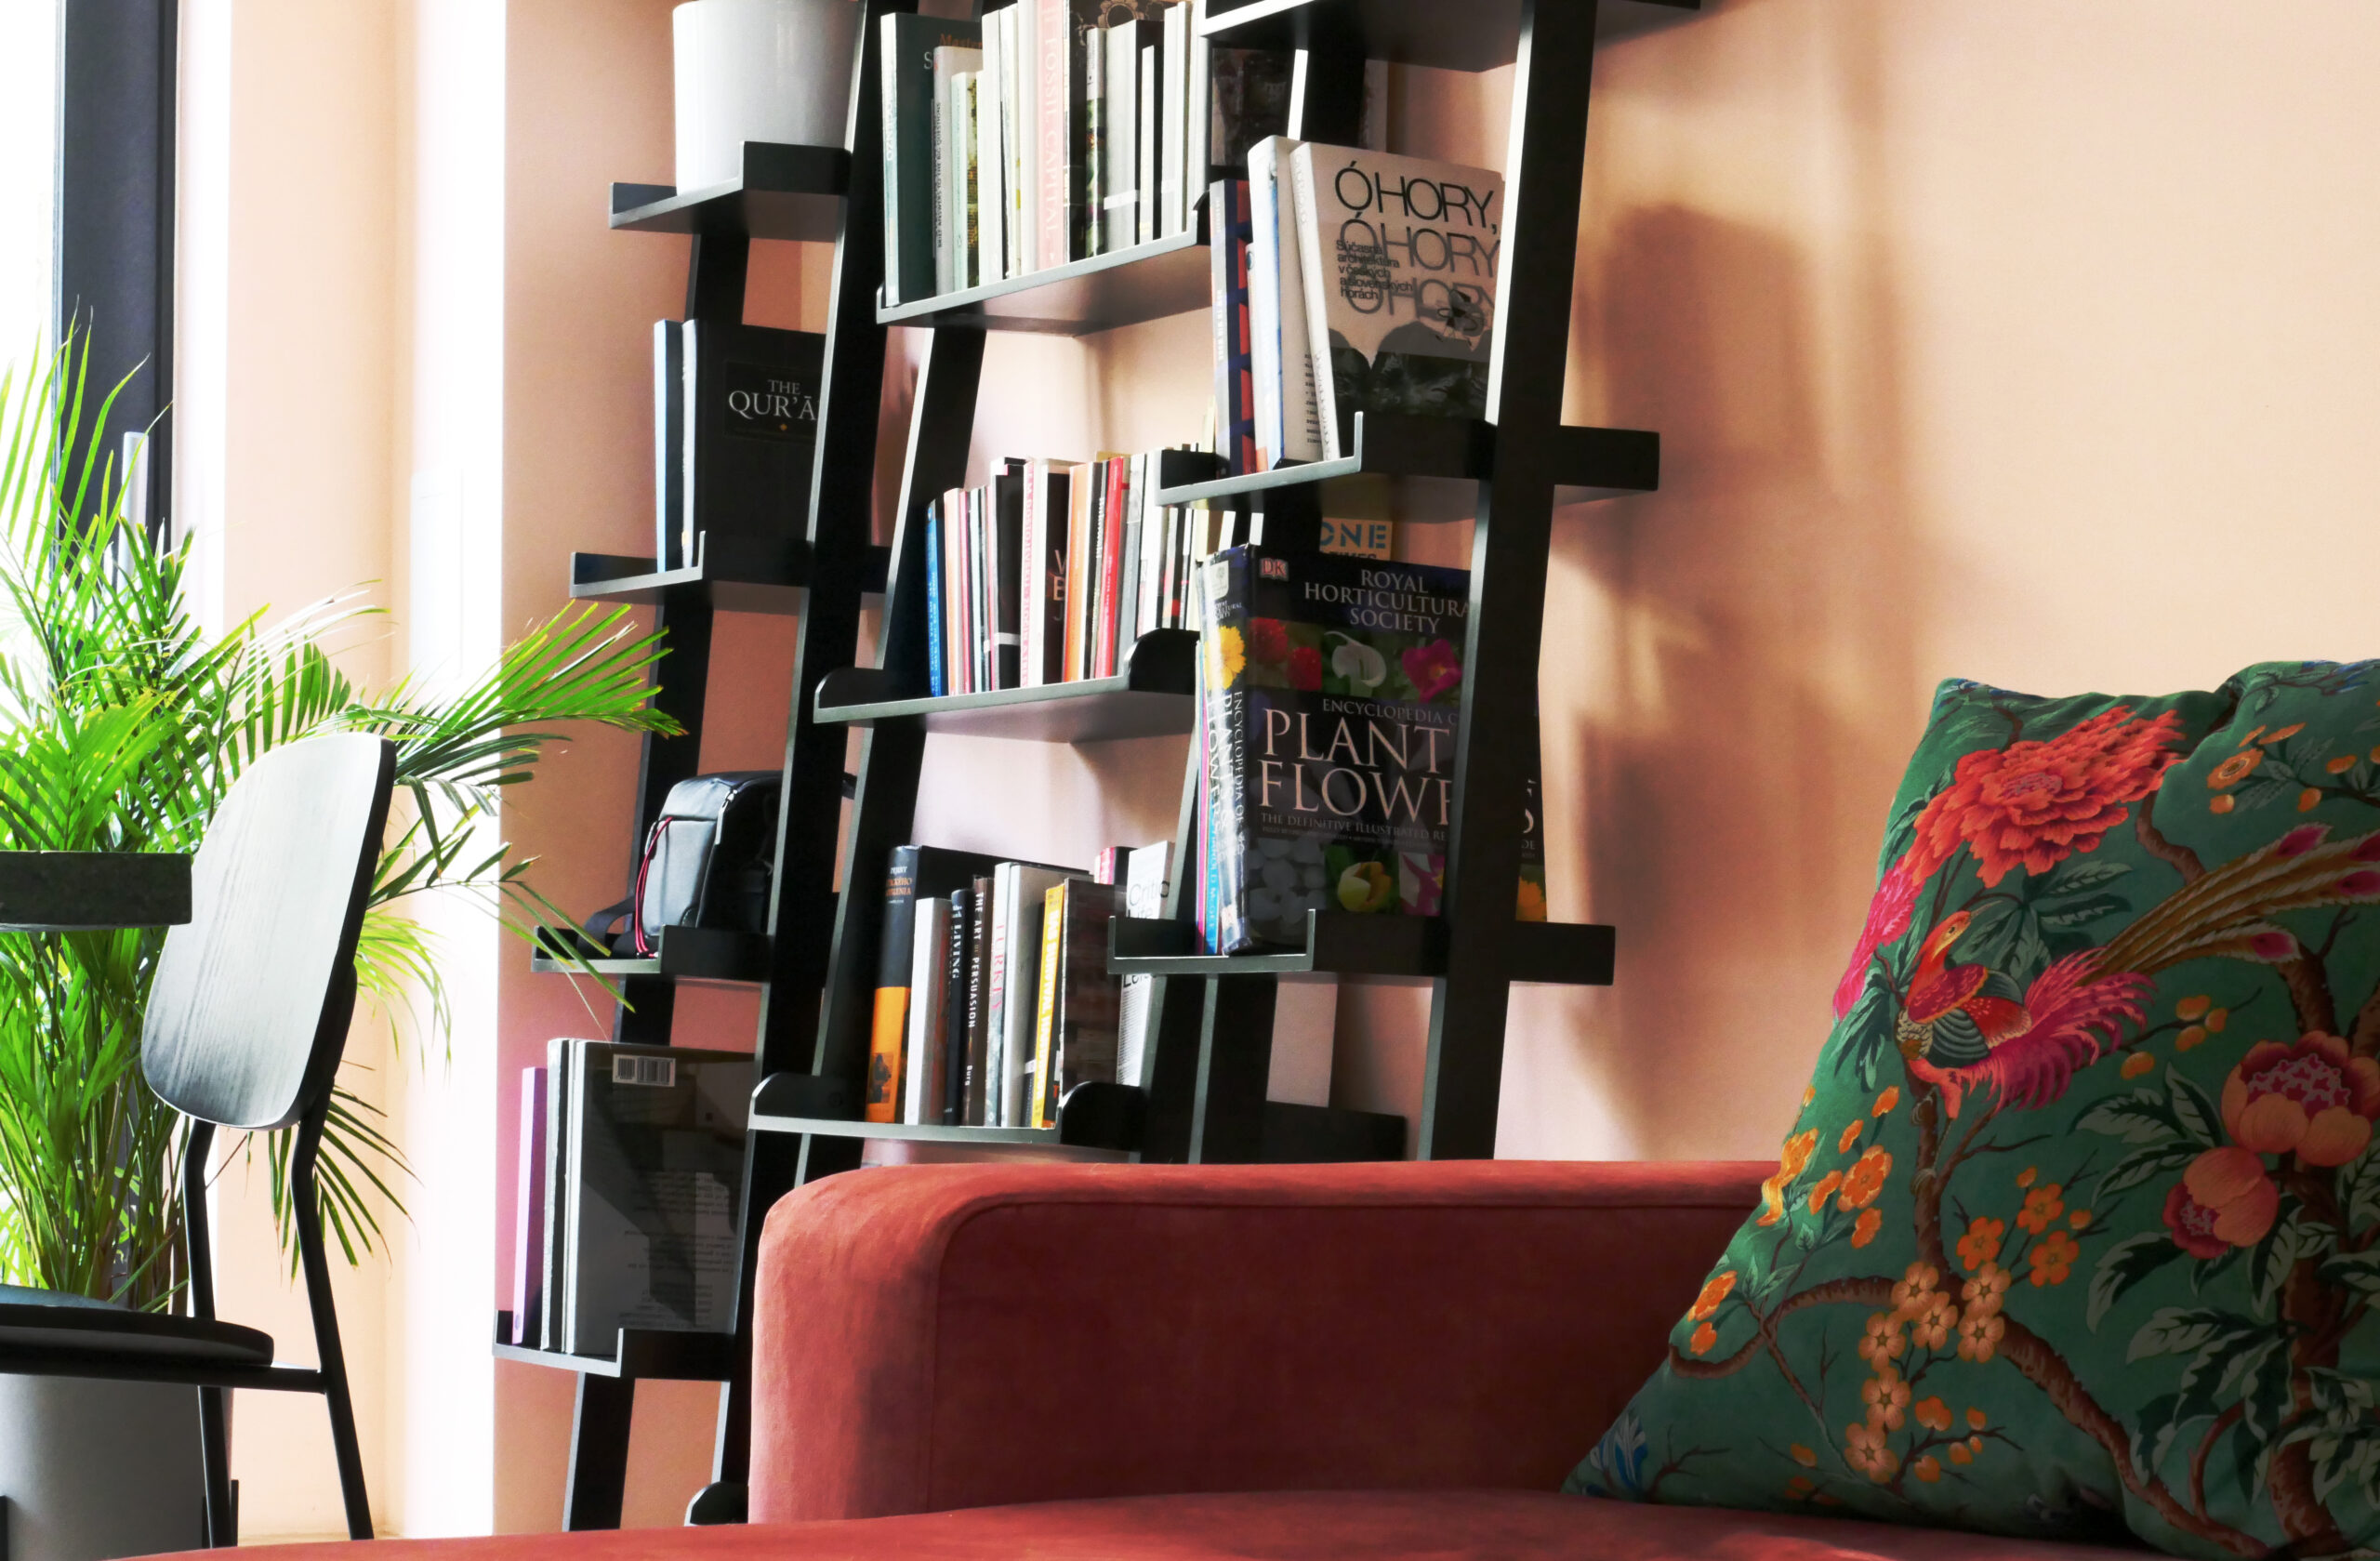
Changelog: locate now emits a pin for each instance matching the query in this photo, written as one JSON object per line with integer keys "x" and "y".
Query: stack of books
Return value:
{"x": 1366, "y": 283}
{"x": 993, "y": 999}
{"x": 1053, "y": 131}
{"x": 632, "y": 1158}
{"x": 1049, "y": 572}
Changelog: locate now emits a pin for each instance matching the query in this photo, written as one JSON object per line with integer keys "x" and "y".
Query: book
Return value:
{"x": 1173, "y": 127}
{"x": 751, "y": 429}
{"x": 969, "y": 257}
{"x": 1017, "y": 891}
{"x": 1077, "y": 1040}
{"x": 1057, "y": 88}
{"x": 953, "y": 65}
{"x": 529, "y": 1213}
{"x": 1281, "y": 349}
{"x": 1147, "y": 874}
{"x": 656, "y": 1159}
{"x": 1151, "y": 138}
{"x": 1400, "y": 283}
{"x": 669, "y": 445}
{"x": 1007, "y": 564}
{"x": 911, "y": 872}
{"x": 981, "y": 1097}
{"x": 1229, "y": 234}
{"x": 991, "y": 156}
{"x": 906, "y": 60}
{"x": 1332, "y": 688}
{"x": 559, "y": 1054}
{"x": 954, "y": 1006}
{"x": 937, "y": 636}
{"x": 1119, "y": 119}
{"x": 923, "y": 1052}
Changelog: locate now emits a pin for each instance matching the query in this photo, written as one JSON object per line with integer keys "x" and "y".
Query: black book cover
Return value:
{"x": 962, "y": 925}
{"x": 1057, "y": 500}
{"x": 669, "y": 445}
{"x": 753, "y": 433}
{"x": 979, "y": 947}
{"x": 1008, "y": 626}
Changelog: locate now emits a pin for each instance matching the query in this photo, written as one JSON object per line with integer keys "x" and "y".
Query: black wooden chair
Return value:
{"x": 247, "y": 1016}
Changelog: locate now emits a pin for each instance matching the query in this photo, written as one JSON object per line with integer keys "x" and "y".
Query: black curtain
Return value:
{"x": 116, "y": 214}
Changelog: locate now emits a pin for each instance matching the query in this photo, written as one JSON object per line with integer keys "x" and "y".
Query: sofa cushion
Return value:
{"x": 1326, "y": 1526}
{"x": 2078, "y": 1228}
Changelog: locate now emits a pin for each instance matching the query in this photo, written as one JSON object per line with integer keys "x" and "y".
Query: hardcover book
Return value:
{"x": 656, "y": 1155}
{"x": 912, "y": 871}
{"x": 1332, "y": 689}
{"x": 907, "y": 59}
{"x": 1400, "y": 283}
{"x": 1075, "y": 1035}
{"x": 751, "y": 426}
{"x": 1228, "y": 230}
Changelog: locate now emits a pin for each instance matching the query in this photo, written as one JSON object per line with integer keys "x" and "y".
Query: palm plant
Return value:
{"x": 123, "y": 723}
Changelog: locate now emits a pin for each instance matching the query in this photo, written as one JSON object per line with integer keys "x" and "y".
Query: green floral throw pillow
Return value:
{"x": 2078, "y": 1230}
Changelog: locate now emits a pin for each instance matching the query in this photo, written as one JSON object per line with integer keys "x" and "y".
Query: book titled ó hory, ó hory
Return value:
{"x": 656, "y": 1155}
{"x": 1400, "y": 258}
{"x": 1332, "y": 687}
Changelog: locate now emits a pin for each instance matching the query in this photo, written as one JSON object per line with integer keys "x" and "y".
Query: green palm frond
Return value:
{"x": 123, "y": 724}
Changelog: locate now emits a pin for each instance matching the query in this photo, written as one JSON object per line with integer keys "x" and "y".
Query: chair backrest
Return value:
{"x": 248, "y": 1012}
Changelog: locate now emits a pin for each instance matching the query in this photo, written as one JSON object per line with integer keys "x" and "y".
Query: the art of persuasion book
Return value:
{"x": 1400, "y": 280}
{"x": 1333, "y": 686}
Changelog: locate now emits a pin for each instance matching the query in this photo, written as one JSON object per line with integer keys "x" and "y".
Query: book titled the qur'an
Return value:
{"x": 1333, "y": 687}
{"x": 1400, "y": 283}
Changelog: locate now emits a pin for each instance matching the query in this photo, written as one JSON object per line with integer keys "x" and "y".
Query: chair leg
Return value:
{"x": 350, "y": 1456}
{"x": 331, "y": 1358}
{"x": 215, "y": 1448}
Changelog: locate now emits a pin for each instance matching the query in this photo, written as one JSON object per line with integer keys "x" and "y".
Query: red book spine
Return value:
{"x": 1111, "y": 572}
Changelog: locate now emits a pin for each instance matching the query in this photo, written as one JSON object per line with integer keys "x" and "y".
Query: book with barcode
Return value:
{"x": 1332, "y": 689}
{"x": 1400, "y": 256}
{"x": 655, "y": 1160}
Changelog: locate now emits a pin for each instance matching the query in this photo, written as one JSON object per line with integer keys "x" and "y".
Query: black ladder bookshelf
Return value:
{"x": 1202, "y": 1099}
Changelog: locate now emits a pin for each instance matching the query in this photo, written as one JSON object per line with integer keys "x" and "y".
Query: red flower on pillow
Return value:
{"x": 2224, "y": 1199}
{"x": 2032, "y": 804}
{"x": 2314, "y": 1100}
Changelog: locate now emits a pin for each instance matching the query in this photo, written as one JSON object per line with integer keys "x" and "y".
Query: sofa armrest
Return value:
{"x": 935, "y": 1337}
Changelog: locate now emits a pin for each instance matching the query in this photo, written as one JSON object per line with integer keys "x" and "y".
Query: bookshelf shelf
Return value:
{"x": 793, "y": 192}
{"x": 724, "y": 588}
{"x": 1455, "y": 37}
{"x": 1434, "y": 465}
{"x": 645, "y": 1354}
{"x": 1152, "y": 698}
{"x": 691, "y": 954}
{"x": 1553, "y": 952}
{"x": 914, "y": 1132}
{"x": 1147, "y": 282}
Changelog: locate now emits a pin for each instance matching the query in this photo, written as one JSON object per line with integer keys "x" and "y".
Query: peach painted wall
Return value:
{"x": 2024, "y": 342}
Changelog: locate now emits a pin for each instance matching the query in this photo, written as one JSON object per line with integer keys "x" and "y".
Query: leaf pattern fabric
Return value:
{"x": 2076, "y": 1233}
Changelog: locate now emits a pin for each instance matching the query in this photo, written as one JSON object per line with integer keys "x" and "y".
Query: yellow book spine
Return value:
{"x": 1045, "y": 1024}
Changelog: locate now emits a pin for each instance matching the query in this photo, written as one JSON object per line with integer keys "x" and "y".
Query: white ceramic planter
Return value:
{"x": 96, "y": 1470}
{"x": 758, "y": 71}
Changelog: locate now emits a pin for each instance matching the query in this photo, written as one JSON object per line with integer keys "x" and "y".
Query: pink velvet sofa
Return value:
{"x": 1067, "y": 1363}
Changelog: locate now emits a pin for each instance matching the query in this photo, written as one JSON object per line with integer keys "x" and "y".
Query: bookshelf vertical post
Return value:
{"x": 1514, "y": 533}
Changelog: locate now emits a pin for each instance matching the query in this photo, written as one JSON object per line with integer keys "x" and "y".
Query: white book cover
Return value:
{"x": 991, "y": 154}
{"x": 1297, "y": 425}
{"x": 1150, "y": 141}
{"x": 1025, "y": 40}
{"x": 888, "y": 96}
{"x": 688, "y": 535}
{"x": 1264, "y": 168}
{"x": 1197, "y": 156}
{"x": 1013, "y": 74}
{"x": 1021, "y": 889}
{"x": 1119, "y": 129}
{"x": 1146, "y": 871}
{"x": 921, "y": 1065}
{"x": 1173, "y": 181}
{"x": 1401, "y": 282}
{"x": 1053, "y": 126}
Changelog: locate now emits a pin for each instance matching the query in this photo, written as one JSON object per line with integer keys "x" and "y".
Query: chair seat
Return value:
{"x": 52, "y": 1321}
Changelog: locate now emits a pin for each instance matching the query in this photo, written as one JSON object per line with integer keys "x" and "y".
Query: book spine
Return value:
{"x": 1150, "y": 203}
{"x": 1110, "y": 566}
{"x": 1119, "y": 124}
{"x": 690, "y": 469}
{"x": 890, "y": 1033}
{"x": 1085, "y": 1049}
{"x": 1197, "y": 156}
{"x": 991, "y": 150}
{"x": 1128, "y": 575}
{"x": 943, "y": 183}
{"x": 669, "y": 445}
{"x": 1031, "y": 579}
{"x": 937, "y": 682}
{"x": 1227, "y": 216}
{"x": 548, "y": 1334}
{"x": 889, "y": 74}
{"x": 1264, "y": 297}
{"x": 922, "y": 1091}
{"x": 957, "y": 1077}
{"x": 982, "y": 1096}
{"x": 1053, "y": 923}
{"x": 1016, "y": 138}
{"x": 1321, "y": 269}
{"x": 1002, "y": 1104}
{"x": 1010, "y": 566}
{"x": 1306, "y": 417}
{"x": 1053, "y": 101}
{"x": 1090, "y": 151}
{"x": 529, "y": 1221}
{"x": 1057, "y": 515}
{"x": 1226, "y": 704}
{"x": 971, "y": 181}
{"x": 1173, "y": 181}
